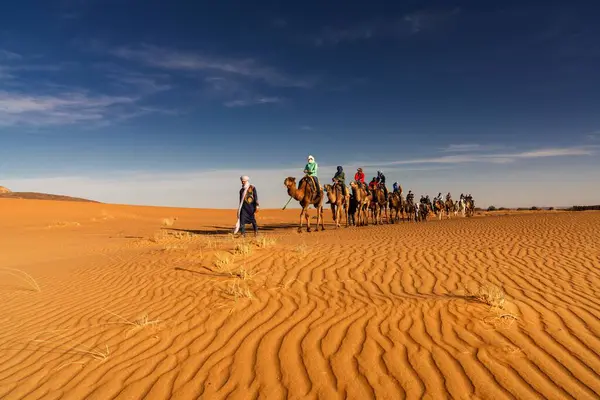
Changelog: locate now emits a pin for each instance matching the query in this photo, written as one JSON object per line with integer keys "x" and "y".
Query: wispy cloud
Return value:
{"x": 35, "y": 93}
{"x": 9, "y": 55}
{"x": 252, "y": 102}
{"x": 61, "y": 109}
{"x": 593, "y": 136}
{"x": 472, "y": 147}
{"x": 145, "y": 83}
{"x": 307, "y": 128}
{"x": 498, "y": 158}
{"x": 456, "y": 148}
{"x": 399, "y": 27}
{"x": 177, "y": 60}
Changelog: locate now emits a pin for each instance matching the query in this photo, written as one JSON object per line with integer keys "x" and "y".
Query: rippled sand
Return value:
{"x": 133, "y": 303}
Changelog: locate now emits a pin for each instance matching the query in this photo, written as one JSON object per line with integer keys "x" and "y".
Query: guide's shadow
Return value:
{"x": 224, "y": 230}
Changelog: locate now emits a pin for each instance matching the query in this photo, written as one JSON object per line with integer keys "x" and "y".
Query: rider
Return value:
{"x": 373, "y": 184}
{"x": 448, "y": 196}
{"x": 340, "y": 177}
{"x": 359, "y": 177}
{"x": 381, "y": 182}
{"x": 410, "y": 196}
{"x": 311, "y": 169}
{"x": 396, "y": 187}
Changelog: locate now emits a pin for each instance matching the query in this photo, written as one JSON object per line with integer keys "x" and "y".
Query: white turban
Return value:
{"x": 245, "y": 178}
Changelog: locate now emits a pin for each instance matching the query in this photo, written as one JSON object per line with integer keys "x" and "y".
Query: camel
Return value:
{"x": 439, "y": 208}
{"x": 380, "y": 203}
{"x": 305, "y": 194}
{"x": 469, "y": 207}
{"x": 363, "y": 198}
{"x": 338, "y": 203}
{"x": 424, "y": 211}
{"x": 396, "y": 203}
{"x": 459, "y": 207}
{"x": 410, "y": 210}
{"x": 449, "y": 206}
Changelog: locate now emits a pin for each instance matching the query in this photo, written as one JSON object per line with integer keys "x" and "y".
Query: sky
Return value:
{"x": 168, "y": 103}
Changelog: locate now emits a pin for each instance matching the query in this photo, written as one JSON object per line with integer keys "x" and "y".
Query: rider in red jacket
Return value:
{"x": 360, "y": 176}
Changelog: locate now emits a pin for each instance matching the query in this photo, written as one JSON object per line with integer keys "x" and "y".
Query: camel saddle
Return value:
{"x": 312, "y": 183}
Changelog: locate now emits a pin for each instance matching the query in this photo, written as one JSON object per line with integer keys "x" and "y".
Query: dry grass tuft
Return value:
{"x": 489, "y": 294}
{"x": 174, "y": 247}
{"x": 142, "y": 322}
{"x": 244, "y": 274}
{"x": 157, "y": 236}
{"x": 181, "y": 235}
{"x": 211, "y": 243}
{"x": 23, "y": 276}
{"x": 222, "y": 261}
{"x": 168, "y": 221}
{"x": 243, "y": 249}
{"x": 238, "y": 290}
{"x": 61, "y": 340}
{"x": 265, "y": 242}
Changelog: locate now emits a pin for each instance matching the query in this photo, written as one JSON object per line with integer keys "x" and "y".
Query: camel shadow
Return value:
{"x": 225, "y": 230}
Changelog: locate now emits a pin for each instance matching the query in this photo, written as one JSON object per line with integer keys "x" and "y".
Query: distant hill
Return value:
{"x": 41, "y": 196}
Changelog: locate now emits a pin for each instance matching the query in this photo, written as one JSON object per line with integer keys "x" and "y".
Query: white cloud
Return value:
{"x": 252, "y": 102}
{"x": 499, "y": 158}
{"x": 60, "y": 109}
{"x": 176, "y": 60}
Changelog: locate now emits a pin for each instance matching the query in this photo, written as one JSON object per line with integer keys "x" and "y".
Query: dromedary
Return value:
{"x": 306, "y": 195}
{"x": 449, "y": 204}
{"x": 381, "y": 204}
{"x": 338, "y": 202}
{"x": 439, "y": 208}
{"x": 363, "y": 198}
{"x": 396, "y": 203}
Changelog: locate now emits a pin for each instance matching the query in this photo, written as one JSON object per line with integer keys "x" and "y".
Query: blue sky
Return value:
{"x": 125, "y": 101}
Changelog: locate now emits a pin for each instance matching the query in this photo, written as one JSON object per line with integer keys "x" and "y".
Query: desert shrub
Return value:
{"x": 584, "y": 208}
{"x": 491, "y": 208}
{"x": 534, "y": 208}
{"x": 503, "y": 209}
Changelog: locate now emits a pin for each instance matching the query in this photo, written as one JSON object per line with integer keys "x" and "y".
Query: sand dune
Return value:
{"x": 133, "y": 303}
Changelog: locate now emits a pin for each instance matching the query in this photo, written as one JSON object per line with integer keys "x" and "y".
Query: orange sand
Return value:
{"x": 131, "y": 309}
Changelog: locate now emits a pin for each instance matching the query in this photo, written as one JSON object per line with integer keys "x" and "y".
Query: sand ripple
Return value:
{"x": 374, "y": 312}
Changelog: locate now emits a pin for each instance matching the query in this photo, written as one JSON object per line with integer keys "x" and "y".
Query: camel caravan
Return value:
{"x": 368, "y": 202}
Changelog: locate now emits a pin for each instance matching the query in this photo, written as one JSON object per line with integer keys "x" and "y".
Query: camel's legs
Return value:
{"x": 307, "y": 218}
{"x": 301, "y": 215}
{"x": 320, "y": 218}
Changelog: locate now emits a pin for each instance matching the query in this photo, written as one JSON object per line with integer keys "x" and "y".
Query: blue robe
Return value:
{"x": 249, "y": 206}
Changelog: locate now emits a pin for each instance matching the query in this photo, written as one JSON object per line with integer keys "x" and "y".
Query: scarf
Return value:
{"x": 246, "y": 187}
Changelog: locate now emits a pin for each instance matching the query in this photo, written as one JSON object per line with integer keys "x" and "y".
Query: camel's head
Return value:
{"x": 327, "y": 188}
{"x": 289, "y": 182}
{"x": 353, "y": 185}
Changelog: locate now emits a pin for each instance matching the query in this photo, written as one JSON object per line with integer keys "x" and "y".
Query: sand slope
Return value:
{"x": 133, "y": 308}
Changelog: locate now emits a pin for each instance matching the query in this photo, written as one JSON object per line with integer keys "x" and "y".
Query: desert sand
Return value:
{"x": 107, "y": 301}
